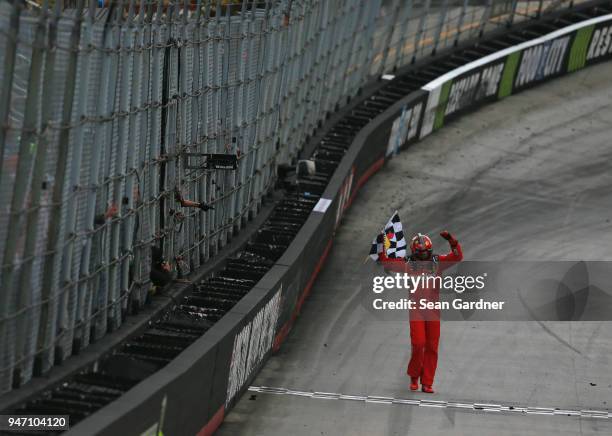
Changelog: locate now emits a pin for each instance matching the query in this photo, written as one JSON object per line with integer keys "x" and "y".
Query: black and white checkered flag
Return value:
{"x": 378, "y": 246}
{"x": 392, "y": 240}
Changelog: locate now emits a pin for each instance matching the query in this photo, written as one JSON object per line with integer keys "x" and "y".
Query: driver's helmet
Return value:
{"x": 421, "y": 246}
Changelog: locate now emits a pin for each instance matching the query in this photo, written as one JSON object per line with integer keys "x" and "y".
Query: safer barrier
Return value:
{"x": 194, "y": 391}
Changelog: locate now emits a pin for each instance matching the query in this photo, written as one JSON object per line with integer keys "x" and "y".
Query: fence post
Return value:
{"x": 37, "y": 144}
{"x": 373, "y": 14}
{"x": 13, "y": 297}
{"x": 386, "y": 46}
{"x": 442, "y": 15}
{"x": 419, "y": 34}
{"x": 399, "y": 58}
{"x": 485, "y": 17}
{"x": 9, "y": 65}
{"x": 54, "y": 241}
{"x": 460, "y": 23}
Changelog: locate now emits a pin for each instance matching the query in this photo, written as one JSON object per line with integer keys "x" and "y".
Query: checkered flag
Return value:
{"x": 391, "y": 240}
{"x": 378, "y": 246}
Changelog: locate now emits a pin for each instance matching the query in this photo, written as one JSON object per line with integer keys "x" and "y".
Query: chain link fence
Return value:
{"x": 106, "y": 110}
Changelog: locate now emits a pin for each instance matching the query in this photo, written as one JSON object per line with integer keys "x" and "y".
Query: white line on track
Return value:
{"x": 479, "y": 407}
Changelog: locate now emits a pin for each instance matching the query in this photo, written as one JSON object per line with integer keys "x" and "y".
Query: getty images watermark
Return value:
{"x": 422, "y": 289}
{"x": 490, "y": 291}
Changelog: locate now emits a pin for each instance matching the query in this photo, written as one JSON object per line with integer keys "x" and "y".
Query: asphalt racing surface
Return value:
{"x": 529, "y": 177}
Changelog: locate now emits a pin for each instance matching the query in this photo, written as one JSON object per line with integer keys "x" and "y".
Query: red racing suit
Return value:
{"x": 424, "y": 323}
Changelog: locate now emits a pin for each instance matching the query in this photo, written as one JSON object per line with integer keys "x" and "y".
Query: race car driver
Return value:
{"x": 424, "y": 323}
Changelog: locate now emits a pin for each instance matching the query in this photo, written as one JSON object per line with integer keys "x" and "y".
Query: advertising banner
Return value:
{"x": 516, "y": 68}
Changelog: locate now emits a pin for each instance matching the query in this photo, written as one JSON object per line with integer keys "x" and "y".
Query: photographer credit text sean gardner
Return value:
{"x": 425, "y": 304}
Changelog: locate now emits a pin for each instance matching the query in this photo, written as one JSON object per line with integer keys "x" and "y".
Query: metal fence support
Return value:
{"x": 13, "y": 325}
{"x": 9, "y": 65}
{"x": 387, "y": 43}
{"x": 56, "y": 230}
{"x": 441, "y": 20}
